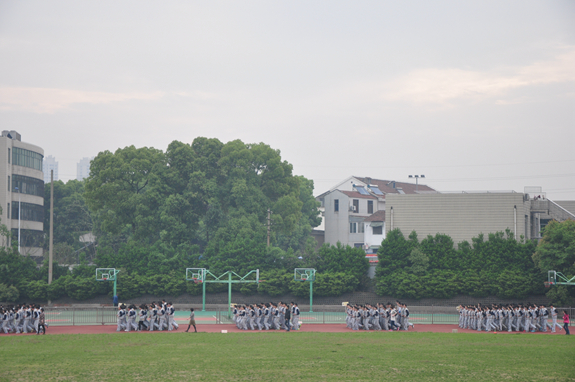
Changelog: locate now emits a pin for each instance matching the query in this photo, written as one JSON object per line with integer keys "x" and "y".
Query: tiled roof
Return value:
{"x": 386, "y": 186}
{"x": 357, "y": 195}
{"x": 379, "y": 216}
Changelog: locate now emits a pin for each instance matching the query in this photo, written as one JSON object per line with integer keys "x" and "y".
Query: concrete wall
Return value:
{"x": 370, "y": 238}
{"x": 569, "y": 205}
{"x": 461, "y": 216}
{"x": 336, "y": 223}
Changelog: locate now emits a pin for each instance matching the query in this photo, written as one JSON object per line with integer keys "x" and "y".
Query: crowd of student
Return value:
{"x": 266, "y": 316}
{"x": 515, "y": 317}
{"x": 380, "y": 316}
{"x": 22, "y": 318}
{"x": 155, "y": 316}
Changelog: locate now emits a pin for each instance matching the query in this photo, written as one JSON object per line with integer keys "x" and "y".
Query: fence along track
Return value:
{"x": 107, "y": 316}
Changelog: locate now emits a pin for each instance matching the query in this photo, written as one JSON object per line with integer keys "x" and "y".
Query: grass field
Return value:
{"x": 271, "y": 356}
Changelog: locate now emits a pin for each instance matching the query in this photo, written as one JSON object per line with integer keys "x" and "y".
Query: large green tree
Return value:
{"x": 72, "y": 219}
{"x": 117, "y": 190}
{"x": 556, "y": 252}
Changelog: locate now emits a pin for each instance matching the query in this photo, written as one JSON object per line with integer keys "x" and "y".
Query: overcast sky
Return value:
{"x": 474, "y": 95}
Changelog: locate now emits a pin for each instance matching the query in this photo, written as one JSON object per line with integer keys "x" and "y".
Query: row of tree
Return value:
{"x": 340, "y": 270}
{"x": 498, "y": 265}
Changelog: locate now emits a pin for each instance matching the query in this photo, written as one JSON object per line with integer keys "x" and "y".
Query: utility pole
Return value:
{"x": 19, "y": 215}
{"x": 269, "y": 225}
{"x": 51, "y": 244}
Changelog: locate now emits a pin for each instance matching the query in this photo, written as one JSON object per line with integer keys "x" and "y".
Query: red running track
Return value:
{"x": 318, "y": 328}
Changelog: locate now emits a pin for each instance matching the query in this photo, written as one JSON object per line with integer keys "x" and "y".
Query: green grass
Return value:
{"x": 280, "y": 356}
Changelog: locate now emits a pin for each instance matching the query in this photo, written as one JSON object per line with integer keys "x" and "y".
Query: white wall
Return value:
{"x": 371, "y": 239}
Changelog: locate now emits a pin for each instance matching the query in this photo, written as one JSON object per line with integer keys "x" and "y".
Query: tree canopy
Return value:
{"x": 556, "y": 252}
{"x": 499, "y": 266}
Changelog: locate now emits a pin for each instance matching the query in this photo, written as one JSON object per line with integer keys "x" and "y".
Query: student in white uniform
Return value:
{"x": 121, "y": 318}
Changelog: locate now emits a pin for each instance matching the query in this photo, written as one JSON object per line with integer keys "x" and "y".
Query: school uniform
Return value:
{"x": 252, "y": 318}
{"x": 259, "y": 314}
{"x": 355, "y": 320}
{"x": 143, "y": 319}
{"x": 153, "y": 319}
{"x": 479, "y": 317}
{"x": 17, "y": 320}
{"x": 554, "y": 320}
{"x": 131, "y": 324}
{"x": 162, "y": 319}
{"x": 276, "y": 318}
{"x": 41, "y": 323}
{"x": 36, "y": 315}
{"x": 545, "y": 319}
{"x": 393, "y": 319}
{"x": 4, "y": 323}
{"x": 121, "y": 320}
{"x": 244, "y": 319}
{"x": 385, "y": 315}
{"x": 296, "y": 322}
{"x": 27, "y": 316}
{"x": 170, "y": 315}
{"x": 365, "y": 314}
{"x": 376, "y": 324}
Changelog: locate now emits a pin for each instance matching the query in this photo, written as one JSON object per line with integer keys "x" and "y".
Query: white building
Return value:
{"x": 22, "y": 192}
{"x": 83, "y": 168}
{"x": 354, "y": 210}
{"x": 48, "y": 165}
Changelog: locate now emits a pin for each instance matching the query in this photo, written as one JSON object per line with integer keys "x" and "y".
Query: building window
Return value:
{"x": 27, "y": 158}
{"x": 356, "y": 205}
{"x": 377, "y": 230}
{"x": 336, "y": 205}
{"x": 29, "y": 237}
{"x": 361, "y": 228}
{"x": 31, "y": 212}
{"x": 8, "y": 183}
{"x": 8, "y": 156}
{"x": 8, "y": 210}
{"x": 28, "y": 185}
{"x": 370, "y": 206}
{"x": 352, "y": 227}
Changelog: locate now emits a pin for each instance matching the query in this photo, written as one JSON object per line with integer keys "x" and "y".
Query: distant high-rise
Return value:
{"x": 83, "y": 168}
{"x": 50, "y": 164}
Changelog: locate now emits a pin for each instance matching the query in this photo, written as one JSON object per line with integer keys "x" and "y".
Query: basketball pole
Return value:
{"x": 203, "y": 296}
{"x": 229, "y": 294}
{"x": 222, "y": 280}
{"x": 310, "y": 296}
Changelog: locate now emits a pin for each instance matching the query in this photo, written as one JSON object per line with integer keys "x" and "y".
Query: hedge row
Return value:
{"x": 275, "y": 283}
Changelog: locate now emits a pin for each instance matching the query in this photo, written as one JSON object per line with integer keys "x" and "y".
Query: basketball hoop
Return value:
{"x": 548, "y": 284}
{"x": 303, "y": 279}
{"x": 104, "y": 279}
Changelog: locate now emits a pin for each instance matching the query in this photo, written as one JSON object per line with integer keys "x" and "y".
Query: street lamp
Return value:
{"x": 19, "y": 213}
{"x": 416, "y": 180}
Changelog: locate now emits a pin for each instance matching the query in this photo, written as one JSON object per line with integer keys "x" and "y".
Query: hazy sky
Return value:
{"x": 475, "y": 95}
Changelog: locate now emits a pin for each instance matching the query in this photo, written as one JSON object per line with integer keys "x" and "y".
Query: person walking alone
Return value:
{"x": 566, "y": 322}
{"x": 192, "y": 321}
